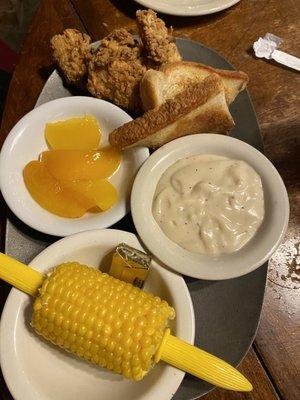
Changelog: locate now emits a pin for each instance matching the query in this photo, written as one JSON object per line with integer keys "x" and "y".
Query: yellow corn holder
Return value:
{"x": 111, "y": 323}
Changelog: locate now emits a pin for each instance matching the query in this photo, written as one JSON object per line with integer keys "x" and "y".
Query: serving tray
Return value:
{"x": 226, "y": 312}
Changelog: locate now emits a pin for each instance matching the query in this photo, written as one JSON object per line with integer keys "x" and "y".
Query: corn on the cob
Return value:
{"x": 101, "y": 319}
{"x": 76, "y": 308}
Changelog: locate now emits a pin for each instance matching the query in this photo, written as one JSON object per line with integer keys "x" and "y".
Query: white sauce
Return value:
{"x": 209, "y": 204}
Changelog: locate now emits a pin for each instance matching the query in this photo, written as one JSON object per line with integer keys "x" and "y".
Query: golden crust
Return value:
{"x": 158, "y": 85}
{"x": 157, "y": 42}
{"x": 115, "y": 70}
{"x": 213, "y": 120}
{"x": 172, "y": 110}
{"x": 233, "y": 74}
{"x": 228, "y": 76}
{"x": 71, "y": 50}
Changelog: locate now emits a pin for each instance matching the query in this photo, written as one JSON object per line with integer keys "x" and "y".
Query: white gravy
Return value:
{"x": 209, "y": 204}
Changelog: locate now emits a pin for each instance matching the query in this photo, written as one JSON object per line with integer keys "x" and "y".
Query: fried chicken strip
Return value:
{"x": 71, "y": 50}
{"x": 157, "y": 42}
{"x": 115, "y": 70}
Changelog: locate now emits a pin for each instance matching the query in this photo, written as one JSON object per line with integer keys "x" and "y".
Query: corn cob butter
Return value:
{"x": 101, "y": 319}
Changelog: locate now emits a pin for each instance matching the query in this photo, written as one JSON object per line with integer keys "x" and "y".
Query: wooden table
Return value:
{"x": 272, "y": 363}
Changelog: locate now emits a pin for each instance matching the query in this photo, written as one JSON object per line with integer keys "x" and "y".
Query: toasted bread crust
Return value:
{"x": 172, "y": 110}
{"x": 167, "y": 68}
{"x": 213, "y": 120}
{"x": 153, "y": 81}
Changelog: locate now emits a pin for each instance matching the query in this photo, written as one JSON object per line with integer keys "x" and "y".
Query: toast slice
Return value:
{"x": 158, "y": 86}
{"x": 200, "y": 108}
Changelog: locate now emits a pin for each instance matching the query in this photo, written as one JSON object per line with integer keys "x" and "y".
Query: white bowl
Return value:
{"x": 26, "y": 141}
{"x": 249, "y": 257}
{"x": 36, "y": 370}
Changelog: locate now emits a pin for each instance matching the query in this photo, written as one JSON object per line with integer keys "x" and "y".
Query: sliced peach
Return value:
{"x": 69, "y": 165}
{"x": 101, "y": 192}
{"x": 51, "y": 195}
{"x": 104, "y": 194}
{"x": 81, "y": 133}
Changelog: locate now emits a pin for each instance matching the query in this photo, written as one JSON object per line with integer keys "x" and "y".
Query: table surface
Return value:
{"x": 272, "y": 364}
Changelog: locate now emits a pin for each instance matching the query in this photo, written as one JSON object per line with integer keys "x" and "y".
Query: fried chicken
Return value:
{"x": 158, "y": 44}
{"x": 115, "y": 70}
{"x": 71, "y": 50}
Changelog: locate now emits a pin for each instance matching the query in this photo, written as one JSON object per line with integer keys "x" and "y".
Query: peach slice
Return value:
{"x": 101, "y": 192}
{"x": 82, "y": 133}
{"x": 70, "y": 165}
{"x": 51, "y": 195}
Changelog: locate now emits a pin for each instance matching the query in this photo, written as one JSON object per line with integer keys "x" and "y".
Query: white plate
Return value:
{"x": 187, "y": 7}
{"x": 36, "y": 370}
{"x": 248, "y": 258}
{"x": 26, "y": 141}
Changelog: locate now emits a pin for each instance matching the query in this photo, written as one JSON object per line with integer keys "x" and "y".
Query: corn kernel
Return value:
{"x": 87, "y": 344}
{"x": 135, "y": 361}
{"x": 89, "y": 334}
{"x": 137, "y": 334}
{"x": 117, "y": 324}
{"x": 135, "y": 347}
{"x": 127, "y": 373}
{"x": 82, "y": 330}
{"x": 138, "y": 376}
{"x": 127, "y": 355}
{"x": 95, "y": 358}
{"x": 80, "y": 351}
{"x": 111, "y": 345}
{"x": 103, "y": 341}
{"x": 127, "y": 342}
{"x": 119, "y": 350}
{"x": 145, "y": 341}
{"x": 110, "y": 365}
{"x": 117, "y": 361}
{"x": 150, "y": 331}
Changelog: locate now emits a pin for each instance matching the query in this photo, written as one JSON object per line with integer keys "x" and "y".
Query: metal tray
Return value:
{"x": 227, "y": 312}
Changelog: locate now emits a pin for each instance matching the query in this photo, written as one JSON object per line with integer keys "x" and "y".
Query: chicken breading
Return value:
{"x": 115, "y": 70}
{"x": 71, "y": 51}
{"x": 157, "y": 42}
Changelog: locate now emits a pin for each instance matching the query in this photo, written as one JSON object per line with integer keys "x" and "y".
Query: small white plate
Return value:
{"x": 26, "y": 141}
{"x": 188, "y": 7}
{"x": 36, "y": 370}
{"x": 248, "y": 258}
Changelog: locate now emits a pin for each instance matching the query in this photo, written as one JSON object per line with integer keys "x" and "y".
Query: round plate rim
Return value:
{"x": 62, "y": 226}
{"x": 16, "y": 298}
{"x": 155, "y": 240}
{"x": 185, "y": 12}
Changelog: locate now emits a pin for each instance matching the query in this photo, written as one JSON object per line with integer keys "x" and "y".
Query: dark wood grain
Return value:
{"x": 100, "y": 17}
{"x": 252, "y": 368}
{"x": 36, "y": 62}
{"x": 273, "y": 364}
